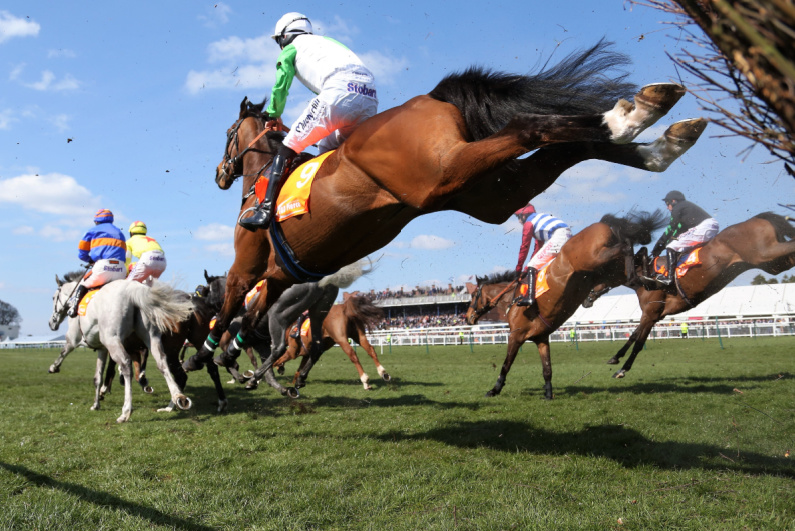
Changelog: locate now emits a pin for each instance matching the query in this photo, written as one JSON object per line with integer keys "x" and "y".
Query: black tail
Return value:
{"x": 636, "y": 227}
{"x": 784, "y": 230}
{"x": 364, "y": 312}
{"x": 580, "y": 84}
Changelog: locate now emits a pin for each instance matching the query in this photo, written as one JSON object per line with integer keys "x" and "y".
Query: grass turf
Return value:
{"x": 695, "y": 437}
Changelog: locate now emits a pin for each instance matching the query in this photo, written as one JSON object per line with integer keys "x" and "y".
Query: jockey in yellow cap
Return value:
{"x": 151, "y": 258}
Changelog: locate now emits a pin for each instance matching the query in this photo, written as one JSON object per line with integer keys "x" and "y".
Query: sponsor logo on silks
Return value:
{"x": 361, "y": 89}
{"x": 158, "y": 259}
{"x": 113, "y": 269}
{"x": 300, "y": 126}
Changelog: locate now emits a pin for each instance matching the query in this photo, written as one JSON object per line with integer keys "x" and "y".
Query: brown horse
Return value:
{"x": 456, "y": 148}
{"x": 766, "y": 242}
{"x": 351, "y": 319}
{"x": 599, "y": 254}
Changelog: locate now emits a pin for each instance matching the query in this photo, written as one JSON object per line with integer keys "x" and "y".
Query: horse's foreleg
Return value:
{"x": 515, "y": 340}
{"x": 348, "y": 350}
{"x": 643, "y": 332}
{"x": 623, "y": 350}
{"x": 546, "y": 366}
{"x": 236, "y": 288}
{"x": 212, "y": 370}
{"x": 110, "y": 374}
{"x": 56, "y": 365}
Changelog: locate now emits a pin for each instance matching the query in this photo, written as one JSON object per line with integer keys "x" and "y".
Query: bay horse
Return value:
{"x": 456, "y": 148}
{"x": 349, "y": 320}
{"x": 766, "y": 242}
{"x": 600, "y": 254}
{"x": 117, "y": 311}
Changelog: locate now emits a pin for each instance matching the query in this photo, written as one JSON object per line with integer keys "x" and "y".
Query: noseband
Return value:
{"x": 489, "y": 304}
{"x": 230, "y": 161}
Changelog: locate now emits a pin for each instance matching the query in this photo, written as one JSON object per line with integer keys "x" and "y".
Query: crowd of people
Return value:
{"x": 420, "y": 320}
{"x": 418, "y": 291}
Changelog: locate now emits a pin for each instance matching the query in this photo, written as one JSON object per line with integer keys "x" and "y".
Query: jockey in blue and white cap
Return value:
{"x": 105, "y": 249}
{"x": 345, "y": 97}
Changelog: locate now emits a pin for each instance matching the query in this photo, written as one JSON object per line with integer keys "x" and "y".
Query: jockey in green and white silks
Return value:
{"x": 345, "y": 97}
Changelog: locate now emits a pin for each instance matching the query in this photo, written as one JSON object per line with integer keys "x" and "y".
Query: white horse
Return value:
{"x": 117, "y": 311}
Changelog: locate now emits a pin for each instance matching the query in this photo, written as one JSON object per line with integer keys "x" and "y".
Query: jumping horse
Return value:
{"x": 118, "y": 311}
{"x": 349, "y": 320}
{"x": 766, "y": 242}
{"x": 600, "y": 254}
{"x": 456, "y": 148}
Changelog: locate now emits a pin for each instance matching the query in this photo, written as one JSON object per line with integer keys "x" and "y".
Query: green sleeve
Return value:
{"x": 285, "y": 72}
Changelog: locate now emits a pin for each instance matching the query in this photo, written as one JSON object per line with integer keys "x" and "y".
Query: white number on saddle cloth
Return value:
{"x": 310, "y": 168}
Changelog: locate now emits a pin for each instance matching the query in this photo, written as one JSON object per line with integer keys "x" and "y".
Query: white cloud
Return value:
{"x": 53, "y": 193}
{"x": 245, "y": 77}
{"x": 23, "y": 229}
{"x": 431, "y": 243}
{"x": 217, "y": 15}
{"x": 11, "y": 26}
{"x": 384, "y": 68}
{"x": 61, "y": 52}
{"x": 224, "y": 249}
{"x": 234, "y": 49}
{"x": 48, "y": 81}
{"x": 60, "y": 122}
{"x": 59, "y": 234}
{"x": 7, "y": 118}
{"x": 215, "y": 231}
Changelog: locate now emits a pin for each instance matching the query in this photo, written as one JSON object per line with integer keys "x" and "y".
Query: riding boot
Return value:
{"x": 296, "y": 332}
{"x": 74, "y": 301}
{"x": 668, "y": 278}
{"x": 262, "y": 212}
{"x": 527, "y": 288}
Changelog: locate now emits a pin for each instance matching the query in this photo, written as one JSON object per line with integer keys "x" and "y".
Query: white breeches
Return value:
{"x": 703, "y": 232}
{"x": 150, "y": 264}
{"x": 105, "y": 271}
{"x": 550, "y": 249}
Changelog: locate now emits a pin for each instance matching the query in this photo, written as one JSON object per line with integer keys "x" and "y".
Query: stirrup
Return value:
{"x": 259, "y": 220}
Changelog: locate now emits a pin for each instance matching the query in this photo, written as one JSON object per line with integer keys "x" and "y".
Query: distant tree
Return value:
{"x": 758, "y": 280}
{"x": 9, "y": 314}
{"x": 743, "y": 54}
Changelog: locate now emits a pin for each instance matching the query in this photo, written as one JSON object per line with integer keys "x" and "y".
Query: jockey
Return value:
{"x": 690, "y": 226}
{"x": 104, "y": 248}
{"x": 151, "y": 258}
{"x": 346, "y": 96}
{"x": 550, "y": 234}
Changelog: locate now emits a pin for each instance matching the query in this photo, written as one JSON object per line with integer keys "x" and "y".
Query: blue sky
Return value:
{"x": 124, "y": 105}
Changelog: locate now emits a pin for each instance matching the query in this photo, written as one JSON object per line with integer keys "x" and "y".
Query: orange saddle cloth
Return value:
{"x": 685, "y": 263}
{"x": 542, "y": 281}
{"x": 82, "y": 308}
{"x": 293, "y": 198}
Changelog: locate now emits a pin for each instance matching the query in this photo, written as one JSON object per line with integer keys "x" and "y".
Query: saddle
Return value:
{"x": 82, "y": 306}
{"x": 659, "y": 266}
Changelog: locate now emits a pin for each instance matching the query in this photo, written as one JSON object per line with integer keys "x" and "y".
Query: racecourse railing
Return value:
{"x": 497, "y": 333}
{"x": 493, "y": 334}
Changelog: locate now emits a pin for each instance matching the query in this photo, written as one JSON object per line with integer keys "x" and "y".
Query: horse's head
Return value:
{"x": 478, "y": 306}
{"x": 246, "y": 136}
{"x": 59, "y": 300}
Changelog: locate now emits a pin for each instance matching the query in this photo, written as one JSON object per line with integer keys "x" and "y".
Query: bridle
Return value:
{"x": 490, "y": 304}
{"x": 59, "y": 306}
{"x": 233, "y": 162}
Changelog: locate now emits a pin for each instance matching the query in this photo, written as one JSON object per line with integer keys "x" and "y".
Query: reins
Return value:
{"x": 490, "y": 303}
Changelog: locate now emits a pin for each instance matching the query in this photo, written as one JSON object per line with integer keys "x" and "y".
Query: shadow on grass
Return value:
{"x": 104, "y": 500}
{"x": 616, "y": 442}
{"x": 721, "y": 385}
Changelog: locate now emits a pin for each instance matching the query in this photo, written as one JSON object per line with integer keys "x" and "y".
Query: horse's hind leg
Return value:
{"x": 156, "y": 348}
{"x": 122, "y": 358}
{"x": 546, "y": 366}
{"x": 371, "y": 352}
{"x": 102, "y": 356}
{"x": 110, "y": 374}
{"x": 627, "y": 120}
{"x": 515, "y": 340}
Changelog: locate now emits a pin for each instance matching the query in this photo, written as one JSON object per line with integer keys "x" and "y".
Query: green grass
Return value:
{"x": 694, "y": 437}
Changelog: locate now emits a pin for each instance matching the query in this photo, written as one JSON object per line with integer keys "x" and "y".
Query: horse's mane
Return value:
{"x": 496, "y": 278}
{"x": 72, "y": 276}
{"x": 636, "y": 226}
{"x": 784, "y": 228}
{"x": 362, "y": 310}
{"x": 580, "y": 84}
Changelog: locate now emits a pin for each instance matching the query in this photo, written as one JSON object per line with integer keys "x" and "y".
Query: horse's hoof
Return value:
{"x": 251, "y": 385}
{"x": 386, "y": 377}
{"x": 183, "y": 402}
{"x": 292, "y": 392}
{"x": 547, "y": 397}
{"x": 612, "y": 361}
{"x": 280, "y": 370}
{"x": 222, "y": 406}
{"x": 148, "y": 390}
{"x": 122, "y": 419}
{"x": 685, "y": 131}
{"x": 222, "y": 360}
{"x": 619, "y": 374}
{"x": 53, "y": 369}
{"x": 492, "y": 393}
{"x": 248, "y": 374}
{"x": 659, "y": 96}
{"x": 192, "y": 364}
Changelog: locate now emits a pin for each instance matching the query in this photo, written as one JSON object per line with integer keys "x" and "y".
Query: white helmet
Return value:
{"x": 289, "y": 27}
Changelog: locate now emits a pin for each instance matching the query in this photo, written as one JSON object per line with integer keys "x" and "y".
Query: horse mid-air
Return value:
{"x": 119, "y": 310}
{"x": 456, "y": 148}
{"x": 349, "y": 320}
{"x": 600, "y": 254}
{"x": 766, "y": 242}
